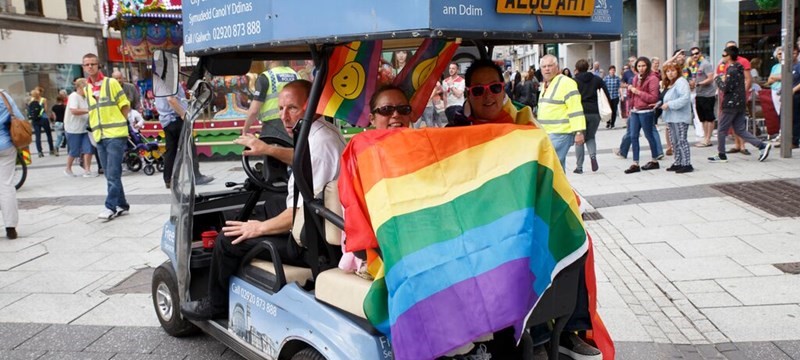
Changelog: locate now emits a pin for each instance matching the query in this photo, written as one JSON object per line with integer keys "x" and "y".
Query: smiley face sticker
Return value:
{"x": 349, "y": 81}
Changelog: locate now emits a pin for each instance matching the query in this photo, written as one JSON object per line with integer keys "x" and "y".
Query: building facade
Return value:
{"x": 42, "y": 44}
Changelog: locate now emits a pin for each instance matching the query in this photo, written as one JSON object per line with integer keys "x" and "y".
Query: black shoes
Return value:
{"x": 633, "y": 169}
{"x": 578, "y": 171}
{"x": 595, "y": 166}
{"x": 11, "y": 233}
{"x": 684, "y": 169}
{"x": 674, "y": 167}
{"x": 202, "y": 310}
{"x": 652, "y": 165}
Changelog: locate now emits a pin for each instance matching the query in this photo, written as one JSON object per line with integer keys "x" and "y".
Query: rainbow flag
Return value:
{"x": 471, "y": 227}
{"x": 419, "y": 76}
{"x": 351, "y": 81}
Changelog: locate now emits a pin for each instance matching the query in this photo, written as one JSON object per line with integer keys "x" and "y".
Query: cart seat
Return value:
{"x": 297, "y": 274}
{"x": 343, "y": 290}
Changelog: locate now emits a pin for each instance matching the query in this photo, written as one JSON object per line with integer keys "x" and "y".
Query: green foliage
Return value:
{"x": 768, "y": 4}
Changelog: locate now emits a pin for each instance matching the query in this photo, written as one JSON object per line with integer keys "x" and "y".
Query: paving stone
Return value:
{"x": 122, "y": 310}
{"x": 150, "y": 357}
{"x": 6, "y": 299}
{"x": 699, "y": 268}
{"x": 705, "y": 326}
{"x": 764, "y": 270}
{"x": 193, "y": 346}
{"x": 20, "y": 354}
{"x": 716, "y": 299}
{"x": 133, "y": 340}
{"x": 52, "y": 282}
{"x": 11, "y": 260}
{"x": 766, "y": 258}
{"x": 66, "y": 338}
{"x": 762, "y": 351}
{"x": 48, "y": 308}
{"x": 678, "y": 338}
{"x": 14, "y": 334}
{"x": 716, "y": 337}
{"x": 791, "y": 348}
{"x": 757, "y": 323}
{"x": 764, "y": 290}
{"x": 657, "y": 234}
{"x": 692, "y": 334}
{"x": 711, "y": 247}
{"x": 723, "y": 228}
{"x": 59, "y": 355}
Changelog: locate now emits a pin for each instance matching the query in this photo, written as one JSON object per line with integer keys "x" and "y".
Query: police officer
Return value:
{"x": 264, "y": 106}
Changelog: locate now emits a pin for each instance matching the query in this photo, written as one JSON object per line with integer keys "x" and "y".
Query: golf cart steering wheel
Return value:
{"x": 267, "y": 172}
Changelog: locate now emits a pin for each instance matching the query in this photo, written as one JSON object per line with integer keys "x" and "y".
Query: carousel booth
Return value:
{"x": 148, "y": 25}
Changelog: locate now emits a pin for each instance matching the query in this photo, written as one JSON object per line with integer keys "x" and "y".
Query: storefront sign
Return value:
{"x": 547, "y": 7}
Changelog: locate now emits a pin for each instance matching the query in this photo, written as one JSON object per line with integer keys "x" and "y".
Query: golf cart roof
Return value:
{"x": 289, "y": 27}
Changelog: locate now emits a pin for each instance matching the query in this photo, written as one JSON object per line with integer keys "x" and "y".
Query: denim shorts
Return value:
{"x": 78, "y": 144}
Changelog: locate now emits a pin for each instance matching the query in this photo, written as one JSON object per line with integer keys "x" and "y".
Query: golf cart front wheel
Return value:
{"x": 308, "y": 354}
{"x": 167, "y": 303}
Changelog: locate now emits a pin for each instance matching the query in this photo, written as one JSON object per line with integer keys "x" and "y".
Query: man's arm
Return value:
{"x": 252, "y": 115}
{"x": 242, "y": 231}
{"x": 258, "y": 147}
{"x": 458, "y": 88}
{"x": 176, "y": 106}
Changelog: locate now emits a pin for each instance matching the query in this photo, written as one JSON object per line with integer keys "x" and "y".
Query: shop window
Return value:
{"x": 33, "y": 7}
{"x": 74, "y": 10}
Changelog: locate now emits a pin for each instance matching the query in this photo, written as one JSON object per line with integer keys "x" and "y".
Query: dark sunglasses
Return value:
{"x": 724, "y": 55}
{"x": 695, "y": 53}
{"x": 479, "y": 90}
{"x": 388, "y": 110}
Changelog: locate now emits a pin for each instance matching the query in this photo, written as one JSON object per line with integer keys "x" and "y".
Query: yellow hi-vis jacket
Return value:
{"x": 278, "y": 78}
{"x": 560, "y": 110}
{"x": 105, "y": 112}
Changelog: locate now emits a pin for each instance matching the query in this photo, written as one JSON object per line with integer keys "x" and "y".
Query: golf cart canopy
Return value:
{"x": 289, "y": 27}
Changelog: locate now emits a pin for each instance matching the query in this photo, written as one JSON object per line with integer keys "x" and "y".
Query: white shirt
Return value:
{"x": 135, "y": 119}
{"x": 448, "y": 85}
{"x": 326, "y": 144}
{"x": 76, "y": 124}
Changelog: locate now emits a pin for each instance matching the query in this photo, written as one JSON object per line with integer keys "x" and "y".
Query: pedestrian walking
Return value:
{"x": 588, "y": 86}
{"x": 8, "y": 160}
{"x": 560, "y": 112}
{"x": 613, "y": 86}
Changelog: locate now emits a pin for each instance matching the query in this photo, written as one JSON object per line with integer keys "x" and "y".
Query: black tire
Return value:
{"x": 149, "y": 170}
{"x": 20, "y": 172}
{"x": 164, "y": 291}
{"x": 308, "y": 354}
{"x": 134, "y": 163}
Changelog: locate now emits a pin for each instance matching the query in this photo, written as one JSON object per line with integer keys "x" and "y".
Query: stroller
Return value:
{"x": 143, "y": 155}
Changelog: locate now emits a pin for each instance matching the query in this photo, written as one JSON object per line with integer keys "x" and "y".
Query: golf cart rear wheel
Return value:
{"x": 167, "y": 304}
{"x": 308, "y": 354}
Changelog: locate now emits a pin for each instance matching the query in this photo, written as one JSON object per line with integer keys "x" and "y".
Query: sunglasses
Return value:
{"x": 388, "y": 110}
{"x": 724, "y": 55}
{"x": 695, "y": 53}
{"x": 479, "y": 90}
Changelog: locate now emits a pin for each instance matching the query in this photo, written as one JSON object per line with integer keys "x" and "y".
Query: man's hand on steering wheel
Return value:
{"x": 255, "y": 145}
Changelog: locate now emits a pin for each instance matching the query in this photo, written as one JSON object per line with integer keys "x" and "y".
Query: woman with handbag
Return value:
{"x": 588, "y": 86}
{"x": 8, "y": 160}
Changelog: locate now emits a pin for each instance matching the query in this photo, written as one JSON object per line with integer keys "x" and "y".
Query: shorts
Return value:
{"x": 78, "y": 144}
{"x": 705, "y": 108}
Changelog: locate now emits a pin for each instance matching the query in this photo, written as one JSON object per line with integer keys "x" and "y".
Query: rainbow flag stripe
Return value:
{"x": 465, "y": 217}
{"x": 351, "y": 81}
{"x": 419, "y": 77}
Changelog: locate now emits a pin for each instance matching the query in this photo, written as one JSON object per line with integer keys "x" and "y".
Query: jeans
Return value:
{"x": 43, "y": 124}
{"x": 738, "y": 121}
{"x": 111, "y": 152}
{"x": 61, "y": 139}
{"x": 562, "y": 143}
{"x": 592, "y": 123}
{"x": 642, "y": 122}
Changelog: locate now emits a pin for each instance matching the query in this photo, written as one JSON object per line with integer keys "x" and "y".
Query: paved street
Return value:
{"x": 684, "y": 270}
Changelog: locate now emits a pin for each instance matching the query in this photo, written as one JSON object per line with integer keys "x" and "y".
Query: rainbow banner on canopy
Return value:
{"x": 351, "y": 81}
{"x": 464, "y": 223}
{"x": 419, "y": 76}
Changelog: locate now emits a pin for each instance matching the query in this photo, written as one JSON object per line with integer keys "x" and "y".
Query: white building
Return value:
{"x": 43, "y": 41}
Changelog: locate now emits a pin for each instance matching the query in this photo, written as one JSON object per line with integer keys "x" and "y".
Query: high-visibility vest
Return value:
{"x": 559, "y": 109}
{"x": 105, "y": 114}
{"x": 278, "y": 78}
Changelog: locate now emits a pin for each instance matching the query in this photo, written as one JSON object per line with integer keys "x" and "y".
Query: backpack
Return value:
{"x": 34, "y": 110}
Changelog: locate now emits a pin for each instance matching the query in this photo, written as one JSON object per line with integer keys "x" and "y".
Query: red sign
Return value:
{"x": 116, "y": 52}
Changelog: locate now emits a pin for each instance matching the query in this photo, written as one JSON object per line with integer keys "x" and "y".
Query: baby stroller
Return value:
{"x": 143, "y": 155}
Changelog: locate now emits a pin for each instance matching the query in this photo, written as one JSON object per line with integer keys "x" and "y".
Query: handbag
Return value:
{"x": 603, "y": 105}
{"x": 20, "y": 130}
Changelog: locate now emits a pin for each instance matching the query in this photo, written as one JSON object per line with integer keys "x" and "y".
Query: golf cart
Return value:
{"x": 280, "y": 311}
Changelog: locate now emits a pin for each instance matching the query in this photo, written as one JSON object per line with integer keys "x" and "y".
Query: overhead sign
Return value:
{"x": 547, "y": 7}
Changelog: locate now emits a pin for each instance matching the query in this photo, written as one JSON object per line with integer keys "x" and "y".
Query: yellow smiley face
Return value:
{"x": 422, "y": 72}
{"x": 349, "y": 81}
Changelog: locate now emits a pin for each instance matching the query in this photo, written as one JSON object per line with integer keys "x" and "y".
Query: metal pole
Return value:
{"x": 787, "y": 96}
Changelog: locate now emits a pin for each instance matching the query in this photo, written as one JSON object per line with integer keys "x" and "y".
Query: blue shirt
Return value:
{"x": 612, "y": 84}
{"x": 627, "y": 77}
{"x": 166, "y": 115}
{"x": 5, "y": 121}
{"x": 796, "y": 75}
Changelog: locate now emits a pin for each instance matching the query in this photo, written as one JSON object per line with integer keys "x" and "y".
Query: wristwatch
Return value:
{"x": 578, "y": 133}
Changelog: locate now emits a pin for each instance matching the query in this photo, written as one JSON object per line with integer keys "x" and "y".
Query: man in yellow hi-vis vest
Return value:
{"x": 264, "y": 105}
{"x": 560, "y": 112}
{"x": 108, "y": 120}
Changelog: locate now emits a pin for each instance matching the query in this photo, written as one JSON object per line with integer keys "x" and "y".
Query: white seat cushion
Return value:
{"x": 343, "y": 290}
{"x": 333, "y": 235}
{"x": 297, "y": 274}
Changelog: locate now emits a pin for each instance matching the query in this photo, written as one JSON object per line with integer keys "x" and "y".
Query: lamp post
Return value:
{"x": 787, "y": 96}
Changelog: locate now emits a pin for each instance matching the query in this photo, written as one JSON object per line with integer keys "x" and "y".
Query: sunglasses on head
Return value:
{"x": 479, "y": 90}
{"x": 388, "y": 110}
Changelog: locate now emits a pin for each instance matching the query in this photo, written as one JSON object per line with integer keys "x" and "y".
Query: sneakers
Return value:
{"x": 89, "y": 174}
{"x": 595, "y": 167}
{"x": 578, "y": 171}
{"x": 68, "y": 173}
{"x": 718, "y": 159}
{"x": 633, "y": 169}
{"x": 764, "y": 153}
{"x": 202, "y": 310}
{"x": 673, "y": 167}
{"x": 11, "y": 233}
{"x": 121, "y": 211}
{"x": 574, "y": 347}
{"x": 652, "y": 165}
{"x": 203, "y": 179}
{"x": 106, "y": 214}
{"x": 684, "y": 169}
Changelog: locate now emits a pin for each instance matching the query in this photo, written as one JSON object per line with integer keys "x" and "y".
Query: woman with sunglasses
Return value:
{"x": 390, "y": 108}
{"x": 487, "y": 103}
